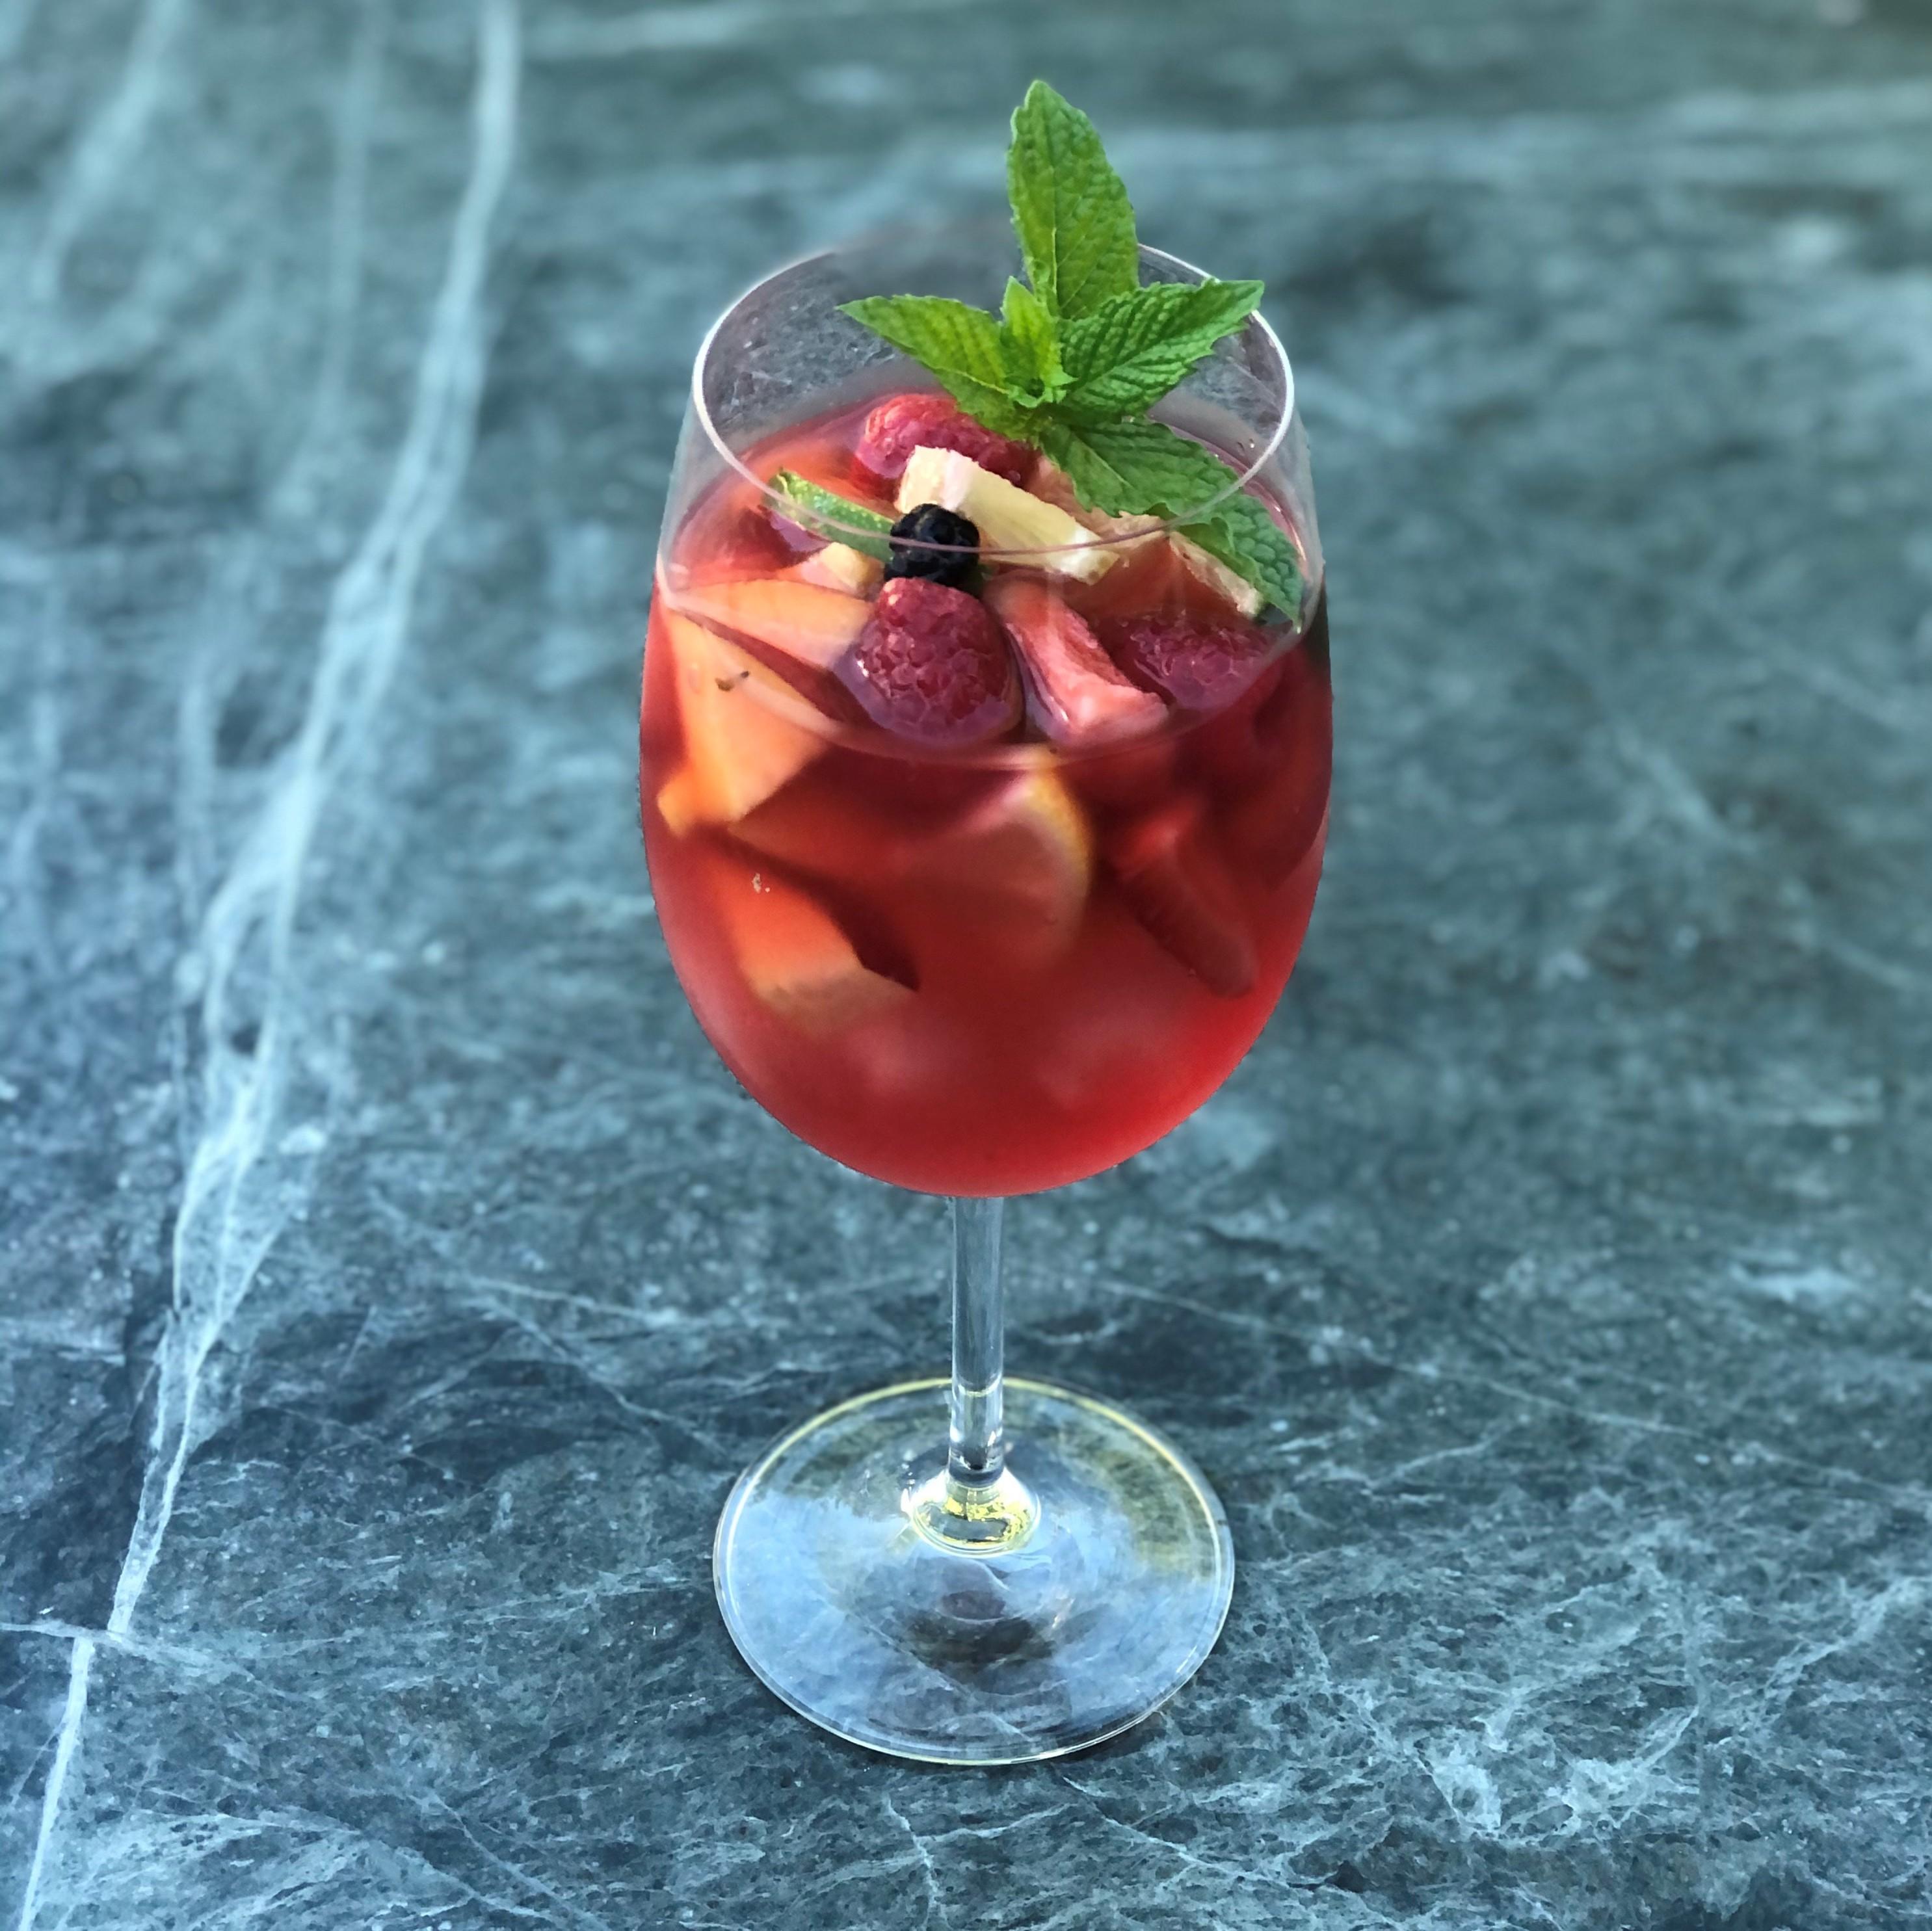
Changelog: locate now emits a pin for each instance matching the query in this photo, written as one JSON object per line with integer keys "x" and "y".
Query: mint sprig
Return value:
{"x": 1081, "y": 351}
{"x": 1070, "y": 209}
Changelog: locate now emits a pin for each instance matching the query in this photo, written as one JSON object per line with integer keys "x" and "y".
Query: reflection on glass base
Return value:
{"x": 1083, "y": 1618}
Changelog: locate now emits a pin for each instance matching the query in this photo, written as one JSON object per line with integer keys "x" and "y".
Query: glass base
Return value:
{"x": 1071, "y": 1599}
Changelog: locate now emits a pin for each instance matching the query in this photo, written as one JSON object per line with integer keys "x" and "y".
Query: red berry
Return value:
{"x": 905, "y": 423}
{"x": 932, "y": 664}
{"x": 1179, "y": 886}
{"x": 1196, "y": 666}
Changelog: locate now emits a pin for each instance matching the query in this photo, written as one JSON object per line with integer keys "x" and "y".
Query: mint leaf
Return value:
{"x": 1032, "y": 347}
{"x": 963, "y": 346}
{"x": 826, "y": 513}
{"x": 1072, "y": 364}
{"x": 1134, "y": 469}
{"x": 1146, "y": 468}
{"x": 1070, "y": 209}
{"x": 1134, "y": 348}
{"x": 1242, "y": 534}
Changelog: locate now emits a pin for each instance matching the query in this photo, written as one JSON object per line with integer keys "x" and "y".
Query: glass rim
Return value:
{"x": 1256, "y": 322}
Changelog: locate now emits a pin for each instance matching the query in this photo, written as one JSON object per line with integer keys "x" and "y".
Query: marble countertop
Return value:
{"x": 391, "y": 1280}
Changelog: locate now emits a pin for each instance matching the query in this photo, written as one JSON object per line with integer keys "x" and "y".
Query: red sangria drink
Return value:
{"x": 981, "y": 866}
{"x": 984, "y": 772}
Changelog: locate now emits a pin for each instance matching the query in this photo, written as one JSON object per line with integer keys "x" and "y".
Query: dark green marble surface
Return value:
{"x": 391, "y": 1281}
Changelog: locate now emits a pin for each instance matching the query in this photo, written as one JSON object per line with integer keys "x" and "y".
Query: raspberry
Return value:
{"x": 932, "y": 664}
{"x": 904, "y": 423}
{"x": 1196, "y": 666}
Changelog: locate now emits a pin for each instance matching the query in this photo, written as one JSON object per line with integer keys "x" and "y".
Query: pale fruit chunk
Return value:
{"x": 744, "y": 732}
{"x": 806, "y": 621}
{"x": 1127, "y": 533}
{"x": 795, "y": 958}
{"x": 815, "y": 829}
{"x": 1021, "y": 861}
{"x": 1216, "y": 575}
{"x": 682, "y": 803}
{"x": 1076, "y": 693}
{"x": 1007, "y": 517}
{"x": 838, "y": 567}
{"x": 1130, "y": 533}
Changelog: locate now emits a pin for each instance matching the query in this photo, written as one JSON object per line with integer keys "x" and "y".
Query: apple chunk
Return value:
{"x": 795, "y": 958}
{"x": 838, "y": 567}
{"x": 809, "y": 622}
{"x": 746, "y": 732}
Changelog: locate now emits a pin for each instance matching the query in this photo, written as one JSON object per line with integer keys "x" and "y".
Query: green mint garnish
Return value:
{"x": 1070, "y": 209}
{"x": 825, "y": 513}
{"x": 1073, "y": 362}
{"x": 972, "y": 354}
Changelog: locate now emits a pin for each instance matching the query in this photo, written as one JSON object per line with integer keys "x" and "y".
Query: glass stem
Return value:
{"x": 978, "y": 1447}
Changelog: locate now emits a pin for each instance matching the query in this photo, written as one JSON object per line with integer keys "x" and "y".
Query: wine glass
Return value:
{"x": 975, "y": 973}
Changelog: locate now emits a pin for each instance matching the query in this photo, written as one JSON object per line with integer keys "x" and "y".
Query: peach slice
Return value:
{"x": 795, "y": 958}
{"x": 807, "y": 621}
{"x": 746, "y": 733}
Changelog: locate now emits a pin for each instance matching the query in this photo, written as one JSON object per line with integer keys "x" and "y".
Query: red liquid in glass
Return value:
{"x": 998, "y": 971}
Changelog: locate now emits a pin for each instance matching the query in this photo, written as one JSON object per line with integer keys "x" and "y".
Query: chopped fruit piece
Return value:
{"x": 815, "y": 509}
{"x": 681, "y": 801}
{"x": 742, "y": 544}
{"x": 1197, "y": 666}
{"x": 905, "y": 423}
{"x": 1181, "y": 891}
{"x": 1238, "y": 592}
{"x": 814, "y": 830}
{"x": 745, "y": 732}
{"x": 805, "y": 620}
{"x": 938, "y": 543}
{"x": 1075, "y": 694}
{"x": 1052, "y": 484}
{"x": 838, "y": 567}
{"x": 1007, "y": 517}
{"x": 932, "y": 664}
{"x": 795, "y": 958}
{"x": 1019, "y": 862}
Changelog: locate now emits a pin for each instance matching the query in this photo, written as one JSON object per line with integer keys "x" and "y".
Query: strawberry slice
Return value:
{"x": 932, "y": 664}
{"x": 904, "y": 423}
{"x": 1075, "y": 694}
{"x": 1181, "y": 890}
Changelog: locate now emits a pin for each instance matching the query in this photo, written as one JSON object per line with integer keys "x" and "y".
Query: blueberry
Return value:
{"x": 957, "y": 565}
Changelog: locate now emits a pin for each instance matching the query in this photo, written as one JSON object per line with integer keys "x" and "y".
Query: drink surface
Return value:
{"x": 989, "y": 970}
